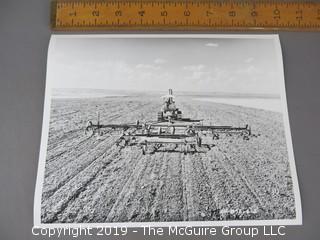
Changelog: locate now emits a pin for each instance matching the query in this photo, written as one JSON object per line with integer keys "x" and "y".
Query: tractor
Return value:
{"x": 169, "y": 129}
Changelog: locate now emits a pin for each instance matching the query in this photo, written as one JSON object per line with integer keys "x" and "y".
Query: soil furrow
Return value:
{"x": 127, "y": 190}
{"x": 239, "y": 178}
{"x": 95, "y": 202}
{"x": 67, "y": 193}
{"x": 53, "y": 183}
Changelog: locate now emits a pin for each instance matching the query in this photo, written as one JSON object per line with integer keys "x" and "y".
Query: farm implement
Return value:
{"x": 169, "y": 129}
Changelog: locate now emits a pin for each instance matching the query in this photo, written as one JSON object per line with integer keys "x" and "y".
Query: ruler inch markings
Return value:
{"x": 74, "y": 15}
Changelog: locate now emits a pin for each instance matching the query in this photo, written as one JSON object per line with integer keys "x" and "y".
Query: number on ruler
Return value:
{"x": 164, "y": 13}
{"x": 141, "y": 13}
{"x": 209, "y": 13}
{"x": 232, "y": 13}
{"x": 276, "y": 13}
{"x": 254, "y": 13}
{"x": 118, "y": 13}
{"x": 187, "y": 13}
{"x": 299, "y": 14}
{"x": 95, "y": 13}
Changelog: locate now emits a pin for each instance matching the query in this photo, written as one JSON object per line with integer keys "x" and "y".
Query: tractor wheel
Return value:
{"x": 160, "y": 116}
{"x": 179, "y": 115}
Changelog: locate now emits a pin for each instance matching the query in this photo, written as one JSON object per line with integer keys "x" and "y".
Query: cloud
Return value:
{"x": 249, "y": 60}
{"x": 159, "y": 61}
{"x": 147, "y": 66}
{"x": 211, "y": 44}
{"x": 193, "y": 67}
{"x": 199, "y": 74}
{"x": 196, "y": 71}
{"x": 152, "y": 80}
{"x": 250, "y": 70}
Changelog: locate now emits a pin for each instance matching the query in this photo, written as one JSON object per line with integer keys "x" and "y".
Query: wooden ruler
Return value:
{"x": 184, "y": 15}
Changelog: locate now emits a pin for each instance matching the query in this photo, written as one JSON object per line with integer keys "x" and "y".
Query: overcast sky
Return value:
{"x": 210, "y": 65}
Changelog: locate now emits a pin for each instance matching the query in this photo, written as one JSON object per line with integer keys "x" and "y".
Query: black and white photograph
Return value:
{"x": 166, "y": 129}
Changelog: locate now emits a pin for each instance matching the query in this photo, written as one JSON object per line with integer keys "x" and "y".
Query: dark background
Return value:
{"x": 24, "y": 38}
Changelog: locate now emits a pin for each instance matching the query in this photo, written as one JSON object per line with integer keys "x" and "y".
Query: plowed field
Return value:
{"x": 90, "y": 179}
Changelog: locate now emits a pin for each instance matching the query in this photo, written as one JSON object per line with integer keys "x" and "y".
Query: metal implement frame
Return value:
{"x": 190, "y": 138}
